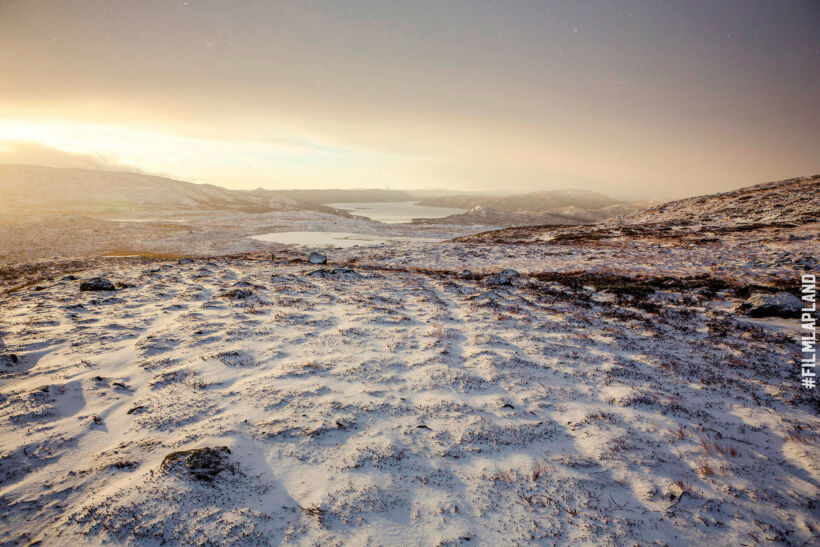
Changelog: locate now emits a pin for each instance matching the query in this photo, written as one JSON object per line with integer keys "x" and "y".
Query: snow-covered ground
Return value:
{"x": 610, "y": 394}
{"x": 396, "y": 407}
{"x": 197, "y": 233}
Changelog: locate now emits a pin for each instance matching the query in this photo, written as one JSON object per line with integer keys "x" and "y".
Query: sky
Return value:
{"x": 637, "y": 99}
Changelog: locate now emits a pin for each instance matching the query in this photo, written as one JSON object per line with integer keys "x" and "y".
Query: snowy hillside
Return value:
{"x": 28, "y": 189}
{"x": 602, "y": 384}
{"x": 788, "y": 201}
{"x": 762, "y": 209}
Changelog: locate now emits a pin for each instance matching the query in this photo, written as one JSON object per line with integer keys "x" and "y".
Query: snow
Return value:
{"x": 609, "y": 394}
{"x": 400, "y": 407}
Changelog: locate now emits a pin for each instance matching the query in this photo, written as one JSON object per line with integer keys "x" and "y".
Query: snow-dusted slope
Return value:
{"x": 395, "y": 407}
{"x": 609, "y": 394}
{"x": 27, "y": 189}
{"x": 761, "y": 208}
{"x": 794, "y": 200}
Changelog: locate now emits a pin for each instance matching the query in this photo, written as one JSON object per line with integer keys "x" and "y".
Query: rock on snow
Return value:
{"x": 782, "y": 304}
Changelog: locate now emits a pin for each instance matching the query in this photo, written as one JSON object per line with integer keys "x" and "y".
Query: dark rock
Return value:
{"x": 336, "y": 273}
{"x": 203, "y": 464}
{"x": 139, "y": 409}
{"x": 8, "y": 360}
{"x": 70, "y": 278}
{"x": 185, "y": 260}
{"x": 782, "y": 304}
{"x": 503, "y": 278}
{"x": 97, "y": 284}
{"x": 239, "y": 294}
{"x": 345, "y": 273}
{"x": 124, "y": 465}
{"x": 317, "y": 258}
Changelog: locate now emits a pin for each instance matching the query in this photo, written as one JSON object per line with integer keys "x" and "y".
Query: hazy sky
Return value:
{"x": 633, "y": 98}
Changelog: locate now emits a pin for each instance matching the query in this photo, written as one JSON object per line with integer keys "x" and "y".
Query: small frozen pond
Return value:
{"x": 394, "y": 212}
{"x": 332, "y": 239}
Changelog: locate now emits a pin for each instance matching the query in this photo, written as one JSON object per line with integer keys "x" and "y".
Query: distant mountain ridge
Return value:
{"x": 569, "y": 206}
{"x": 31, "y": 189}
{"x": 487, "y": 216}
{"x": 40, "y": 190}
{"x": 336, "y": 195}
{"x": 531, "y": 201}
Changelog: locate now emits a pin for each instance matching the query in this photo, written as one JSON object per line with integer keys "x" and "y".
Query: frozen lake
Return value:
{"x": 332, "y": 239}
{"x": 394, "y": 212}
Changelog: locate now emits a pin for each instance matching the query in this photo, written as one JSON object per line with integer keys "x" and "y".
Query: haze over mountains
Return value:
{"x": 36, "y": 190}
{"x": 30, "y": 189}
{"x": 337, "y": 196}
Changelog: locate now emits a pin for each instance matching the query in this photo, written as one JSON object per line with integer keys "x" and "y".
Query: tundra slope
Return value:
{"x": 245, "y": 400}
{"x": 763, "y": 208}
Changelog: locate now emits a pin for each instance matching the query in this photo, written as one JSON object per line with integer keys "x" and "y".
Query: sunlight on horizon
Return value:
{"x": 223, "y": 162}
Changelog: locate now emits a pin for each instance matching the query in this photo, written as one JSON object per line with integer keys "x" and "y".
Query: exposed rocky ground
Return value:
{"x": 597, "y": 385}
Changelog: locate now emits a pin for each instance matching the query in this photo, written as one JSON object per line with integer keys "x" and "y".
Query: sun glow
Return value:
{"x": 231, "y": 162}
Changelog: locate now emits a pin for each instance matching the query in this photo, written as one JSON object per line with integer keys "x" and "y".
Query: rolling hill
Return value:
{"x": 38, "y": 190}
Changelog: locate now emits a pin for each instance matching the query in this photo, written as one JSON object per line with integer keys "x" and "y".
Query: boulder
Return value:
{"x": 317, "y": 258}
{"x": 345, "y": 273}
{"x": 238, "y": 294}
{"x": 503, "y": 278}
{"x": 97, "y": 284}
{"x": 185, "y": 260}
{"x": 336, "y": 273}
{"x": 782, "y": 304}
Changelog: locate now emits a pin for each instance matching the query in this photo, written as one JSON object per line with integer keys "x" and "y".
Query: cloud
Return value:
{"x": 29, "y": 153}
